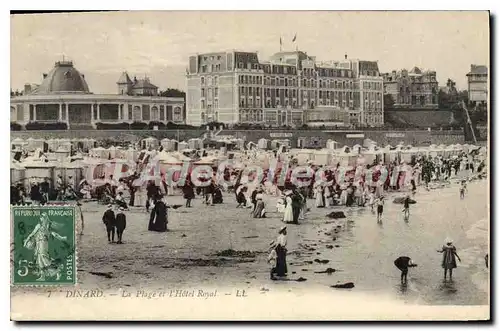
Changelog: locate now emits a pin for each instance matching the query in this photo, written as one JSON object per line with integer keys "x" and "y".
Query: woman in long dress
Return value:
{"x": 449, "y": 253}
{"x": 259, "y": 211}
{"x": 318, "y": 191}
{"x": 327, "y": 194}
{"x": 38, "y": 241}
{"x": 288, "y": 214}
{"x": 279, "y": 254}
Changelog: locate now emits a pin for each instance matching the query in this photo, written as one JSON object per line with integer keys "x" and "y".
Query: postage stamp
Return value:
{"x": 44, "y": 250}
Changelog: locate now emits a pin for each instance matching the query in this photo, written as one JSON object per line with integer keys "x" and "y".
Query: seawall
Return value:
{"x": 311, "y": 138}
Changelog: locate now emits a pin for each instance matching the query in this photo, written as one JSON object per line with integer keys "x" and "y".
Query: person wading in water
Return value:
{"x": 449, "y": 253}
{"x": 406, "y": 207}
{"x": 380, "y": 208}
{"x": 403, "y": 263}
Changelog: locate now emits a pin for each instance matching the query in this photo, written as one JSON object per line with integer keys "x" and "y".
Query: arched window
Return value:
{"x": 202, "y": 80}
{"x": 177, "y": 114}
{"x": 154, "y": 113}
{"x": 137, "y": 115}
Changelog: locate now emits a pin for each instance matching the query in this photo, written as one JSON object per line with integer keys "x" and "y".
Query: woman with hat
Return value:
{"x": 318, "y": 195}
{"x": 288, "y": 213}
{"x": 279, "y": 255}
{"x": 449, "y": 253}
{"x": 259, "y": 211}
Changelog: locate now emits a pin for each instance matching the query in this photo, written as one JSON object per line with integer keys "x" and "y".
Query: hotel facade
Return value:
{"x": 291, "y": 89}
{"x": 64, "y": 97}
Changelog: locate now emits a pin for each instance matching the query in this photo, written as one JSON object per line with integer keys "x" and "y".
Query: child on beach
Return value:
{"x": 463, "y": 189}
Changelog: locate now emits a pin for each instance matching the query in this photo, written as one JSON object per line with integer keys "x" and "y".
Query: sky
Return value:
{"x": 157, "y": 44}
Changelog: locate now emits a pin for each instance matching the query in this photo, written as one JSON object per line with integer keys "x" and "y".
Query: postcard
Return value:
{"x": 250, "y": 166}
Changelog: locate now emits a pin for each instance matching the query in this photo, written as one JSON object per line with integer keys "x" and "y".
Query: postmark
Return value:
{"x": 44, "y": 249}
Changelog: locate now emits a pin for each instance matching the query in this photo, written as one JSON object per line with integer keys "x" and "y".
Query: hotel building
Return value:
{"x": 292, "y": 88}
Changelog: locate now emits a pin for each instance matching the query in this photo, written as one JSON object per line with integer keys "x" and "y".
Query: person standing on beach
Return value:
{"x": 403, "y": 263}
{"x": 380, "y": 208}
{"x": 463, "y": 189}
{"x": 449, "y": 253}
{"x": 288, "y": 213}
{"x": 108, "y": 218}
{"x": 406, "y": 207}
{"x": 279, "y": 255}
{"x": 319, "y": 198}
{"x": 121, "y": 224}
{"x": 188, "y": 192}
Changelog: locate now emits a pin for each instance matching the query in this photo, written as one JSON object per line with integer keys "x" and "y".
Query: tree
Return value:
{"x": 388, "y": 101}
{"x": 443, "y": 100}
{"x": 174, "y": 93}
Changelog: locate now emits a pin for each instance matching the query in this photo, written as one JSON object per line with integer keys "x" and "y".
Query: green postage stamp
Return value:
{"x": 44, "y": 251}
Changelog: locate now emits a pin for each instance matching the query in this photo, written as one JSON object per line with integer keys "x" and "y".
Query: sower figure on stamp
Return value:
{"x": 121, "y": 224}
{"x": 108, "y": 218}
{"x": 38, "y": 241}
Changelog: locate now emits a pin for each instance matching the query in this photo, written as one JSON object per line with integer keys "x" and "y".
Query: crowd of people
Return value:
{"x": 292, "y": 206}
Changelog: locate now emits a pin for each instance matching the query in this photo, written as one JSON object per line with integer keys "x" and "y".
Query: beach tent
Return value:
{"x": 331, "y": 144}
{"x": 17, "y": 144}
{"x": 17, "y": 172}
{"x": 263, "y": 143}
{"x": 149, "y": 142}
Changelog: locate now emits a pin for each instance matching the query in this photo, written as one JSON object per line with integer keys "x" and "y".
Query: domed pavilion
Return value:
{"x": 64, "y": 96}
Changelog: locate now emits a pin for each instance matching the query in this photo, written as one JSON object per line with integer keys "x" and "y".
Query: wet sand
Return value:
{"x": 357, "y": 248}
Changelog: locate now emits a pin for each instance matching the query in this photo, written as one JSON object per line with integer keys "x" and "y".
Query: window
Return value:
{"x": 202, "y": 104}
{"x": 209, "y": 94}
{"x": 216, "y": 92}
{"x": 162, "y": 113}
{"x": 246, "y": 79}
{"x": 204, "y": 68}
{"x": 146, "y": 115}
{"x": 257, "y": 91}
{"x": 202, "y": 92}
{"x": 216, "y": 80}
{"x": 155, "y": 116}
{"x": 216, "y": 103}
{"x": 202, "y": 115}
{"x": 202, "y": 80}
{"x": 177, "y": 114}
{"x": 137, "y": 113}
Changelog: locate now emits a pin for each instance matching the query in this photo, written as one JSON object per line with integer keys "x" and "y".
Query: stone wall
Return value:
{"x": 311, "y": 137}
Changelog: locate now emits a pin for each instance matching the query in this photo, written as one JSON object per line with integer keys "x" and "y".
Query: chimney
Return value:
{"x": 27, "y": 89}
{"x": 44, "y": 76}
{"x": 345, "y": 56}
